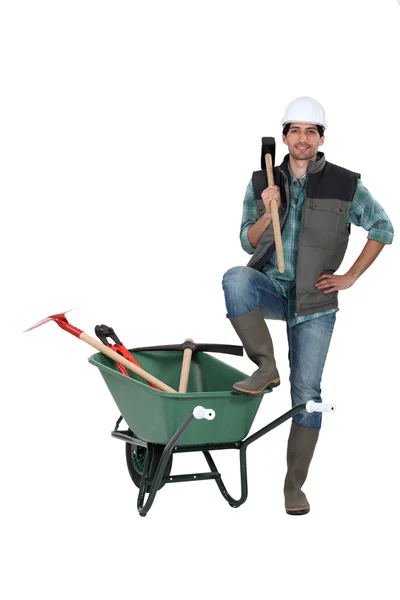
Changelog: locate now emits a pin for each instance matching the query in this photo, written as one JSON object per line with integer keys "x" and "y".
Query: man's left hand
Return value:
{"x": 334, "y": 283}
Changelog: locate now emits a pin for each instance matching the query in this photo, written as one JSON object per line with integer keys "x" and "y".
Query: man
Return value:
{"x": 317, "y": 203}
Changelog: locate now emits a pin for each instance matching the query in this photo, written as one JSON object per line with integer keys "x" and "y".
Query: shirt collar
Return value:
{"x": 293, "y": 178}
{"x": 314, "y": 166}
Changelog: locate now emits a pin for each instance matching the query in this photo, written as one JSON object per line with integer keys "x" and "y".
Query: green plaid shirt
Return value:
{"x": 364, "y": 211}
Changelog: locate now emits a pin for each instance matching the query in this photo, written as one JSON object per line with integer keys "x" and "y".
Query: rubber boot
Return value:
{"x": 257, "y": 342}
{"x": 300, "y": 450}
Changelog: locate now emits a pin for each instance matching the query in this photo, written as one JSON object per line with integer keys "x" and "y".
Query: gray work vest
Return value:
{"x": 324, "y": 234}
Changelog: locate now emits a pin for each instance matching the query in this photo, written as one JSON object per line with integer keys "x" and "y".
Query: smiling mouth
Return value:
{"x": 302, "y": 147}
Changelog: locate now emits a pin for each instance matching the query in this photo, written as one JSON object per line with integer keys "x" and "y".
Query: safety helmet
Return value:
{"x": 304, "y": 110}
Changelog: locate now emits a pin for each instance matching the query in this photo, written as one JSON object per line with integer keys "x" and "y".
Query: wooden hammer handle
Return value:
{"x": 275, "y": 216}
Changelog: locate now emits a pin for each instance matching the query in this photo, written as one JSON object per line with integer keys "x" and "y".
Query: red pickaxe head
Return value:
{"x": 61, "y": 320}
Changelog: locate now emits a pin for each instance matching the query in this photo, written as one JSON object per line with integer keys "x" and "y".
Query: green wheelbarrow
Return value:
{"x": 208, "y": 417}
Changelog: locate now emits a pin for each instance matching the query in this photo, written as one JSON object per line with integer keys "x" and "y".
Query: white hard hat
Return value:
{"x": 304, "y": 110}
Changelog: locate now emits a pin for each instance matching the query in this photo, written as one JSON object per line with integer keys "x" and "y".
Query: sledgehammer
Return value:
{"x": 267, "y": 161}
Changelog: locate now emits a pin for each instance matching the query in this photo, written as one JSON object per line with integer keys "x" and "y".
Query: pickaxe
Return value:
{"x": 62, "y": 322}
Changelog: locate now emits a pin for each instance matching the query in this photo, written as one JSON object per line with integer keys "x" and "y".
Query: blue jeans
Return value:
{"x": 244, "y": 290}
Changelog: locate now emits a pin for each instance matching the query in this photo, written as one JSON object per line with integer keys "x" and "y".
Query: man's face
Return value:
{"x": 303, "y": 140}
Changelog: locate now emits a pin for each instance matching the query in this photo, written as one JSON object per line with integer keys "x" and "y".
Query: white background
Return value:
{"x": 129, "y": 132}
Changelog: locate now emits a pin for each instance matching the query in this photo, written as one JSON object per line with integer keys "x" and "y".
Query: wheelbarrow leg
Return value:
{"x": 143, "y": 483}
{"x": 243, "y": 458}
{"x": 144, "y": 508}
{"x": 155, "y": 484}
{"x": 243, "y": 478}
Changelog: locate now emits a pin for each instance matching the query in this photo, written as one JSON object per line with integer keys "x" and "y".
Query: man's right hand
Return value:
{"x": 271, "y": 193}
{"x": 256, "y": 230}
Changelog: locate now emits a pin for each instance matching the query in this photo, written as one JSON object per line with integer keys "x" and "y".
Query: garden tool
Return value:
{"x": 188, "y": 348}
{"x": 62, "y": 322}
{"x": 187, "y": 357}
{"x": 104, "y": 332}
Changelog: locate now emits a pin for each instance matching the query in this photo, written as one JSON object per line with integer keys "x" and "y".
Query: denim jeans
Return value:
{"x": 245, "y": 289}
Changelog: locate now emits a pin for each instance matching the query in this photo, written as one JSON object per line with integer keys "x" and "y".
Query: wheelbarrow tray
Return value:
{"x": 155, "y": 416}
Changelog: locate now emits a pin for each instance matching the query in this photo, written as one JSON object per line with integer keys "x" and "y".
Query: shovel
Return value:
{"x": 62, "y": 322}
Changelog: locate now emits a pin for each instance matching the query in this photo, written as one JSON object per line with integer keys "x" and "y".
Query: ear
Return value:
{"x": 322, "y": 140}
{"x": 284, "y": 139}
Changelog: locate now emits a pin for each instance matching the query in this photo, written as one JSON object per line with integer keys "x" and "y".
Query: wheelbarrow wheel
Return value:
{"x": 135, "y": 457}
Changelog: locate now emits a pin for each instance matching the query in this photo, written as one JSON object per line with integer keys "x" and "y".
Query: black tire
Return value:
{"x": 135, "y": 457}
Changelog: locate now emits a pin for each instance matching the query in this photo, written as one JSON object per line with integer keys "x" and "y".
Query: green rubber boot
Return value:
{"x": 256, "y": 339}
{"x": 300, "y": 450}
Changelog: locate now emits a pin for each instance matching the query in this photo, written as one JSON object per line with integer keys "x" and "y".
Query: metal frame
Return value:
{"x": 173, "y": 447}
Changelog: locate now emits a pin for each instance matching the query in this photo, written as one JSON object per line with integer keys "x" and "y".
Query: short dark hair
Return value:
{"x": 320, "y": 128}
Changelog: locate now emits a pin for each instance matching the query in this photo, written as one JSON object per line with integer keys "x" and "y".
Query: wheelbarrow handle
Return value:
{"x": 221, "y": 348}
{"x": 312, "y": 406}
{"x": 199, "y": 412}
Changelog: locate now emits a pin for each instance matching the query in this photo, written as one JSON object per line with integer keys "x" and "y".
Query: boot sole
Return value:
{"x": 272, "y": 384}
{"x": 298, "y": 511}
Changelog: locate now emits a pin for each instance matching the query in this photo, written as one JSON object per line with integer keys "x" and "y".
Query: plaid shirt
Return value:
{"x": 364, "y": 211}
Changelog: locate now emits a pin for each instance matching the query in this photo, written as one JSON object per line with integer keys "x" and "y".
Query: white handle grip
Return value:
{"x": 312, "y": 406}
{"x": 203, "y": 413}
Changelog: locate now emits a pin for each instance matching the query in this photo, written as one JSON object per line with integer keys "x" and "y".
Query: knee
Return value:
{"x": 305, "y": 380}
{"x": 302, "y": 392}
{"x": 237, "y": 278}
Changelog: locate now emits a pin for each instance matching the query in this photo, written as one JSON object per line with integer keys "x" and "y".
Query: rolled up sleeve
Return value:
{"x": 249, "y": 216}
{"x": 367, "y": 213}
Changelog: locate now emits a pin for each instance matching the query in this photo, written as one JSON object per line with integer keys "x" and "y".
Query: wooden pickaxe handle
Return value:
{"x": 187, "y": 357}
{"x": 275, "y": 216}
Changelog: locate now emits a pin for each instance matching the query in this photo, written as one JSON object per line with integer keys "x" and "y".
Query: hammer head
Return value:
{"x": 268, "y": 147}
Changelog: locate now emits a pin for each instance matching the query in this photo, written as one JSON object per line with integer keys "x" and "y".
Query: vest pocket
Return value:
{"x": 324, "y": 223}
{"x": 313, "y": 263}
{"x": 326, "y": 214}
